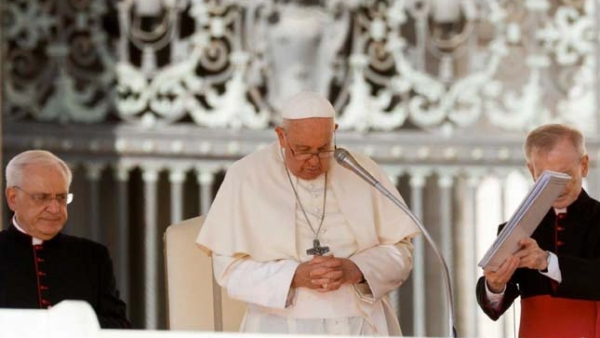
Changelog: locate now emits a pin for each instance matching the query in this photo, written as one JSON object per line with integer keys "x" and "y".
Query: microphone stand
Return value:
{"x": 344, "y": 158}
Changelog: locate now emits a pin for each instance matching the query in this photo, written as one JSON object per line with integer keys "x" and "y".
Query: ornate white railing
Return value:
{"x": 435, "y": 64}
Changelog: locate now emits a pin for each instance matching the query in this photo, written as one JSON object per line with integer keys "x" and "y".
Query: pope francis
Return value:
{"x": 307, "y": 244}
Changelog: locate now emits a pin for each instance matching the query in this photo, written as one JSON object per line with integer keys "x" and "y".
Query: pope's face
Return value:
{"x": 308, "y": 146}
{"x": 36, "y": 202}
{"x": 565, "y": 159}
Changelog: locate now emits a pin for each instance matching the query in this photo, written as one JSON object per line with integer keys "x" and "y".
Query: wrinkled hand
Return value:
{"x": 531, "y": 256}
{"x": 326, "y": 273}
{"x": 496, "y": 280}
{"x": 302, "y": 277}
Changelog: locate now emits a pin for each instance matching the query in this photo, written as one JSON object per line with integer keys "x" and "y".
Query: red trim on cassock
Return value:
{"x": 37, "y": 274}
{"x": 553, "y": 317}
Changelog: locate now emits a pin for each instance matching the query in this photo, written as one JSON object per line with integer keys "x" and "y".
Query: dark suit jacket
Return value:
{"x": 64, "y": 267}
{"x": 578, "y": 251}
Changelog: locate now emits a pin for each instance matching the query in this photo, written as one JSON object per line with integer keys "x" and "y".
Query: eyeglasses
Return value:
{"x": 45, "y": 199}
{"x": 304, "y": 156}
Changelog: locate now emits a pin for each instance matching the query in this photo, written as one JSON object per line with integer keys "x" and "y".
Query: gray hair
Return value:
{"x": 14, "y": 169}
{"x": 544, "y": 138}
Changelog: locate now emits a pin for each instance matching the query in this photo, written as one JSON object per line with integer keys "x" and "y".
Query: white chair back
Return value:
{"x": 195, "y": 302}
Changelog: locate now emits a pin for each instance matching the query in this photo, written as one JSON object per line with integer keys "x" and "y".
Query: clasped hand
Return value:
{"x": 326, "y": 273}
{"x": 529, "y": 256}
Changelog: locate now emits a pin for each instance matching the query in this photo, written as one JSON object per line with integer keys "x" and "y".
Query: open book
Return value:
{"x": 526, "y": 218}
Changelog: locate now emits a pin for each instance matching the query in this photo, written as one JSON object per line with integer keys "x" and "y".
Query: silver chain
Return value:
{"x": 316, "y": 233}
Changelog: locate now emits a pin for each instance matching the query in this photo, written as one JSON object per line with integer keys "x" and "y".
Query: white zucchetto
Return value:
{"x": 306, "y": 105}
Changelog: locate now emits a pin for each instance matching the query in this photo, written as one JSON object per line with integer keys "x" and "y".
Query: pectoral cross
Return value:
{"x": 317, "y": 249}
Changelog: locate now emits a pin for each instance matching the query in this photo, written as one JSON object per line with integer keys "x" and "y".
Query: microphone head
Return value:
{"x": 346, "y": 160}
{"x": 341, "y": 155}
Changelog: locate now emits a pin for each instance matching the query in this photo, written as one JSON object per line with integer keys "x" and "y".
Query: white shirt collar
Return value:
{"x": 559, "y": 211}
{"x": 34, "y": 241}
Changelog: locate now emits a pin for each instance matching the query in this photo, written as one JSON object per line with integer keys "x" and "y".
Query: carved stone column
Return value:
{"x": 121, "y": 174}
{"x": 150, "y": 178}
{"x": 176, "y": 177}
{"x": 417, "y": 184}
{"x": 206, "y": 179}
{"x": 446, "y": 183}
{"x": 469, "y": 270}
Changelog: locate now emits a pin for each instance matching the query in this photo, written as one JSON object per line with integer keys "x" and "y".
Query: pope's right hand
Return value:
{"x": 496, "y": 279}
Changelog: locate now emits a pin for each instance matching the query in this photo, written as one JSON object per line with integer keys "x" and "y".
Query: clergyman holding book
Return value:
{"x": 556, "y": 271}
{"x": 310, "y": 246}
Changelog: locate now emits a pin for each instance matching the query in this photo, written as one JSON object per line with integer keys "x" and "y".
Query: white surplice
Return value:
{"x": 258, "y": 236}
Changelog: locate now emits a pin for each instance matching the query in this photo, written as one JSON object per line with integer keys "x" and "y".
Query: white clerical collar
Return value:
{"x": 315, "y": 182}
{"x": 560, "y": 211}
{"x": 34, "y": 241}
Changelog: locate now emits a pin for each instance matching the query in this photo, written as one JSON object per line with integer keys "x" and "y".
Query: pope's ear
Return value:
{"x": 280, "y": 136}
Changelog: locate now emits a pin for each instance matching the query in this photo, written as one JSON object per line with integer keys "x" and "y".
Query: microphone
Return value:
{"x": 343, "y": 157}
{"x": 346, "y": 160}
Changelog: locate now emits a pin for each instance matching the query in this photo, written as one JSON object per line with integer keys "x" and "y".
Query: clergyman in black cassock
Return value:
{"x": 39, "y": 265}
{"x": 65, "y": 267}
{"x": 557, "y": 271}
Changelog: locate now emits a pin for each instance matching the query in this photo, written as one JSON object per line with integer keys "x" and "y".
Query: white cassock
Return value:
{"x": 258, "y": 236}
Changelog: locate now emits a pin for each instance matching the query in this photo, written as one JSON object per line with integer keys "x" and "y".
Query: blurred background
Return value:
{"x": 150, "y": 101}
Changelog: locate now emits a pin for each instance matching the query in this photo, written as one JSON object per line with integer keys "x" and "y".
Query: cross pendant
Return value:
{"x": 317, "y": 249}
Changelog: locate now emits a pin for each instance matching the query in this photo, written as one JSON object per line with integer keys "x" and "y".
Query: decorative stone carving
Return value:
{"x": 435, "y": 65}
